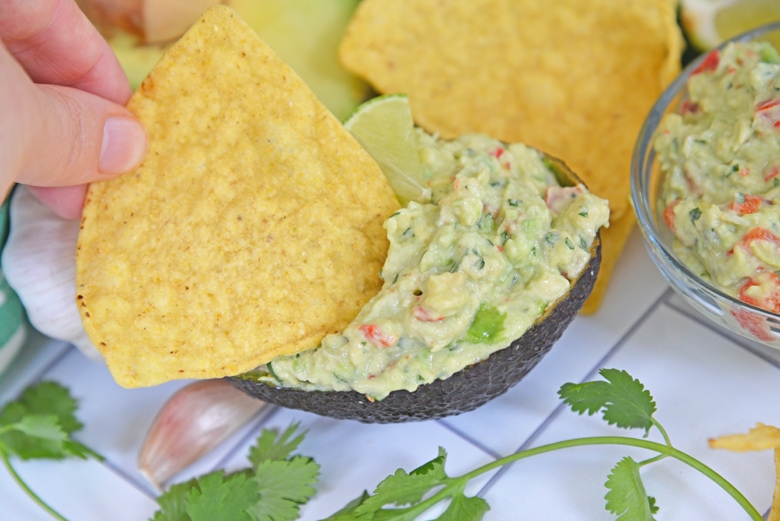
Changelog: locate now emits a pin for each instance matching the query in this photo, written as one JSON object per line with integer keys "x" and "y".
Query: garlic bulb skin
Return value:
{"x": 193, "y": 422}
{"x": 39, "y": 262}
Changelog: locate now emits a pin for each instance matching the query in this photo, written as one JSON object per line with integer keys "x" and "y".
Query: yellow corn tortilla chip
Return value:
{"x": 253, "y": 228}
{"x": 760, "y": 437}
{"x": 613, "y": 239}
{"x": 574, "y": 79}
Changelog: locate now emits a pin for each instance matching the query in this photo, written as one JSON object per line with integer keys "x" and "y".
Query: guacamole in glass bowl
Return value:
{"x": 706, "y": 184}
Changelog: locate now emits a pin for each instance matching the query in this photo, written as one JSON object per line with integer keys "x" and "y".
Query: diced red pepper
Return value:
{"x": 376, "y": 336}
{"x": 767, "y": 104}
{"x": 423, "y": 314}
{"x": 769, "y": 284}
{"x": 753, "y": 324}
{"x": 769, "y": 110}
{"x": 757, "y": 234}
{"x": 771, "y": 172}
{"x": 497, "y": 152}
{"x": 693, "y": 185}
{"x": 689, "y": 107}
{"x": 558, "y": 197}
{"x": 709, "y": 64}
{"x": 669, "y": 215}
{"x": 748, "y": 204}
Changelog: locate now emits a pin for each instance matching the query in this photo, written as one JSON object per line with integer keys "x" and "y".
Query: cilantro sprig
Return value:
{"x": 273, "y": 488}
{"x": 622, "y": 401}
{"x": 278, "y": 482}
{"x": 39, "y": 425}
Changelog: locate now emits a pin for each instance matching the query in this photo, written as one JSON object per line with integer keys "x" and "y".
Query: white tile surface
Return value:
{"x": 705, "y": 384}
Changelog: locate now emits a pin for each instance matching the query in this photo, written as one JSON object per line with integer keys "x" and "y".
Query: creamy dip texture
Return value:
{"x": 721, "y": 158}
{"x": 465, "y": 274}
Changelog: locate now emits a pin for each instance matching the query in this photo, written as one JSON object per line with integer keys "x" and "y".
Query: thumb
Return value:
{"x": 75, "y": 137}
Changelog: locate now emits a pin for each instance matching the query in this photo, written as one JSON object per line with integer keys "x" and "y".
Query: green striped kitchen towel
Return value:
{"x": 12, "y": 322}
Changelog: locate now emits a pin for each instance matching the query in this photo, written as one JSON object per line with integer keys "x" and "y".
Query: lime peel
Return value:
{"x": 708, "y": 23}
{"x": 385, "y": 128}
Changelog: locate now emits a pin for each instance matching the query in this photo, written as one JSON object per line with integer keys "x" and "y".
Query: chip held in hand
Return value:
{"x": 252, "y": 229}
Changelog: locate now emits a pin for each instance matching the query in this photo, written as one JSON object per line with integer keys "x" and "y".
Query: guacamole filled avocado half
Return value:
{"x": 260, "y": 241}
{"x": 478, "y": 285}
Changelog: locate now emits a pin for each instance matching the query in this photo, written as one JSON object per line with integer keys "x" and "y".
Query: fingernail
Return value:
{"x": 124, "y": 145}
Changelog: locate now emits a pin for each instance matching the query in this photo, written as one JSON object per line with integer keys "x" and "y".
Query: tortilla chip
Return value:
{"x": 574, "y": 79}
{"x": 613, "y": 239}
{"x": 253, "y": 228}
{"x": 760, "y": 437}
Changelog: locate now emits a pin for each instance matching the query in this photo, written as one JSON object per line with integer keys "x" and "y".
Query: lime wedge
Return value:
{"x": 385, "y": 128}
{"x": 707, "y": 23}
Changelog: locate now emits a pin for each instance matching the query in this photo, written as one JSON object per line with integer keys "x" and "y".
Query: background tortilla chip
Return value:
{"x": 613, "y": 239}
{"x": 574, "y": 79}
{"x": 760, "y": 437}
{"x": 253, "y": 228}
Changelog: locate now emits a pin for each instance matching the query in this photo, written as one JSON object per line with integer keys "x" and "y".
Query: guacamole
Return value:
{"x": 465, "y": 274}
{"x": 720, "y": 154}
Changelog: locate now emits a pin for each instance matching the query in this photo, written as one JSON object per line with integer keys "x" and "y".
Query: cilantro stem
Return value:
{"x": 666, "y": 439}
{"x": 28, "y": 490}
{"x": 663, "y": 449}
{"x": 662, "y": 431}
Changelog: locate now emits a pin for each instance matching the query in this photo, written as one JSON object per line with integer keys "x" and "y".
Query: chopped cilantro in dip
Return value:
{"x": 465, "y": 275}
{"x": 721, "y": 157}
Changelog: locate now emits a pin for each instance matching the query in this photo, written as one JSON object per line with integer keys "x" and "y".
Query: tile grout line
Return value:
{"x": 138, "y": 484}
{"x": 469, "y": 439}
{"x": 65, "y": 349}
{"x": 589, "y": 375}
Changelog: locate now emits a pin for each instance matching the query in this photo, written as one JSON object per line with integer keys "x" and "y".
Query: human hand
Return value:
{"x": 62, "y": 93}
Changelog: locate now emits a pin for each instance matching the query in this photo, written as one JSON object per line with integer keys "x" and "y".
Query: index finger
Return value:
{"x": 56, "y": 44}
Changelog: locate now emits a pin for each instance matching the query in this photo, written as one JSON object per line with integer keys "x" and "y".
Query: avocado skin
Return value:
{"x": 464, "y": 391}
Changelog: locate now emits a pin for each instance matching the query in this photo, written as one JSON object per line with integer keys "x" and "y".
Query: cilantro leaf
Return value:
{"x": 627, "y": 496}
{"x": 41, "y": 426}
{"x": 346, "y": 512}
{"x": 39, "y": 423}
{"x": 49, "y": 398}
{"x": 220, "y": 496}
{"x": 173, "y": 502}
{"x": 404, "y": 488}
{"x": 283, "y": 486}
{"x": 435, "y": 467}
{"x": 623, "y": 400}
{"x": 464, "y": 508}
{"x": 270, "y": 447}
{"x": 272, "y": 490}
{"x": 284, "y": 482}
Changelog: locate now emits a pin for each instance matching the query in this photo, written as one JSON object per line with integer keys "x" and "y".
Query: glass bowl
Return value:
{"x": 646, "y": 178}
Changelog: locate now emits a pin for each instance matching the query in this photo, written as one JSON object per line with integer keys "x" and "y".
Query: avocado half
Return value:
{"x": 464, "y": 391}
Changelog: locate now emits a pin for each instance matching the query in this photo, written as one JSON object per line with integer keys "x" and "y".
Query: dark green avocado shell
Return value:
{"x": 464, "y": 391}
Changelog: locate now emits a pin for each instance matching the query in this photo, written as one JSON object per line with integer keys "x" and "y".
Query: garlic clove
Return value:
{"x": 193, "y": 422}
{"x": 39, "y": 263}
